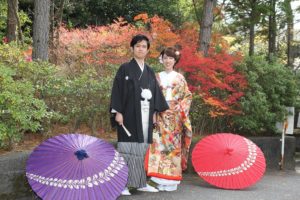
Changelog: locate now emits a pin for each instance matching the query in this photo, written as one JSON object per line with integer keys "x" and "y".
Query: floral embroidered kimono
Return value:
{"x": 167, "y": 156}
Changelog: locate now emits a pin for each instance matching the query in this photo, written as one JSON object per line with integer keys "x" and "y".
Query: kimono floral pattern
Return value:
{"x": 168, "y": 154}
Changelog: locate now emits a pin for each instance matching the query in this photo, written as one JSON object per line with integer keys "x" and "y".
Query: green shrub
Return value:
{"x": 36, "y": 95}
{"x": 271, "y": 88}
{"x": 20, "y": 110}
{"x": 22, "y": 84}
{"x": 83, "y": 98}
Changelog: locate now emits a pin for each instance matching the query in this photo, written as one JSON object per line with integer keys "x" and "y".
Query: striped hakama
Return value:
{"x": 134, "y": 153}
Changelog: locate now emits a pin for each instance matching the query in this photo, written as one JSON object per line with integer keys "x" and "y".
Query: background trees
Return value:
{"x": 239, "y": 76}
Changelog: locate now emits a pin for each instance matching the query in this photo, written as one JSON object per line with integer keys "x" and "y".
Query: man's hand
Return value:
{"x": 154, "y": 118}
{"x": 119, "y": 118}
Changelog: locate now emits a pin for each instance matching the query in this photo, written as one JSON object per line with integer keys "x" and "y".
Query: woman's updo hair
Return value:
{"x": 171, "y": 52}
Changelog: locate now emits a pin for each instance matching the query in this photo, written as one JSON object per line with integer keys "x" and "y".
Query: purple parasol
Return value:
{"x": 75, "y": 166}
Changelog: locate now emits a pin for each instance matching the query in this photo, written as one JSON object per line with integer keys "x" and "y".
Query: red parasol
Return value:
{"x": 228, "y": 161}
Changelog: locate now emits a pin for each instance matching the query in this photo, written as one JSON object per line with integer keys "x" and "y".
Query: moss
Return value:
{"x": 21, "y": 189}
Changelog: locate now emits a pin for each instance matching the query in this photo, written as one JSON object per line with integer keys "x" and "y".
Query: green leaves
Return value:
{"x": 271, "y": 88}
{"x": 20, "y": 110}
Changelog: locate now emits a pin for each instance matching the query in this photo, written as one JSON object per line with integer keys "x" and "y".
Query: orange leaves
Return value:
{"x": 216, "y": 103}
{"x": 28, "y": 54}
{"x": 220, "y": 108}
{"x": 162, "y": 34}
{"x": 110, "y": 44}
{"x": 189, "y": 36}
{"x": 96, "y": 45}
{"x": 143, "y": 17}
{"x": 218, "y": 40}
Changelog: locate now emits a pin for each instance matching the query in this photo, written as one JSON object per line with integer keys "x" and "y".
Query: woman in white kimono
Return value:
{"x": 168, "y": 154}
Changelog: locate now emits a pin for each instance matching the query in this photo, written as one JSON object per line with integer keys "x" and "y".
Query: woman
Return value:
{"x": 167, "y": 156}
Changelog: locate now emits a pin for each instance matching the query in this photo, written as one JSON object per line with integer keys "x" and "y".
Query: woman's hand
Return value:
{"x": 119, "y": 118}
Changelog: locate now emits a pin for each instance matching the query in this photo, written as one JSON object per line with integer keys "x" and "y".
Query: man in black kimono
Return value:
{"x": 135, "y": 98}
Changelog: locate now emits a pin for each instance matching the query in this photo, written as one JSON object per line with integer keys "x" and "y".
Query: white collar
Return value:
{"x": 167, "y": 78}
{"x": 164, "y": 73}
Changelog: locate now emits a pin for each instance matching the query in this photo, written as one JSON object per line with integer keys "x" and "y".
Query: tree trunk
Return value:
{"x": 52, "y": 25}
{"x": 60, "y": 12}
{"x": 251, "y": 39}
{"x": 41, "y": 25}
{"x": 251, "y": 27}
{"x": 206, "y": 26}
{"x": 290, "y": 36}
{"x": 20, "y": 35}
{"x": 272, "y": 29}
{"x": 11, "y": 27}
{"x": 56, "y": 15}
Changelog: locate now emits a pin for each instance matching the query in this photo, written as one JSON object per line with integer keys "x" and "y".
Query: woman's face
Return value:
{"x": 168, "y": 62}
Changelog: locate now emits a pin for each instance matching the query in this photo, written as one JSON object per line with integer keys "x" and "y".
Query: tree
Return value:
{"x": 11, "y": 20}
{"x": 245, "y": 16}
{"x": 56, "y": 14}
{"x": 206, "y": 26}
{"x": 95, "y": 12}
{"x": 198, "y": 9}
{"x": 272, "y": 29}
{"x": 41, "y": 30}
{"x": 289, "y": 18}
{"x": 253, "y": 20}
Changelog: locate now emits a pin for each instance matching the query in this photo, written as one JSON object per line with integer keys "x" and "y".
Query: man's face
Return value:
{"x": 140, "y": 50}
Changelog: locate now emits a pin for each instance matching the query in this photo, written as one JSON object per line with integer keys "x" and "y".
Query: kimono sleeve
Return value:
{"x": 186, "y": 98}
{"x": 185, "y": 104}
{"x": 118, "y": 91}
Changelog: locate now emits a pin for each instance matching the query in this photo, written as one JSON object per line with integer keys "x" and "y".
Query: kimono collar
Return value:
{"x": 136, "y": 70}
{"x": 166, "y": 79}
{"x": 142, "y": 67}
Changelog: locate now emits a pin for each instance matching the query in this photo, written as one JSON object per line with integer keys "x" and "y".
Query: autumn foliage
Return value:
{"x": 213, "y": 77}
{"x": 110, "y": 44}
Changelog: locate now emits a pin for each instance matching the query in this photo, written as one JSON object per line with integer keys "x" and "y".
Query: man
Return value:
{"x": 134, "y": 99}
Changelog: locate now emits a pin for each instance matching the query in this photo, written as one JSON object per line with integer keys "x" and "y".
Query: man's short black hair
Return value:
{"x": 138, "y": 38}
